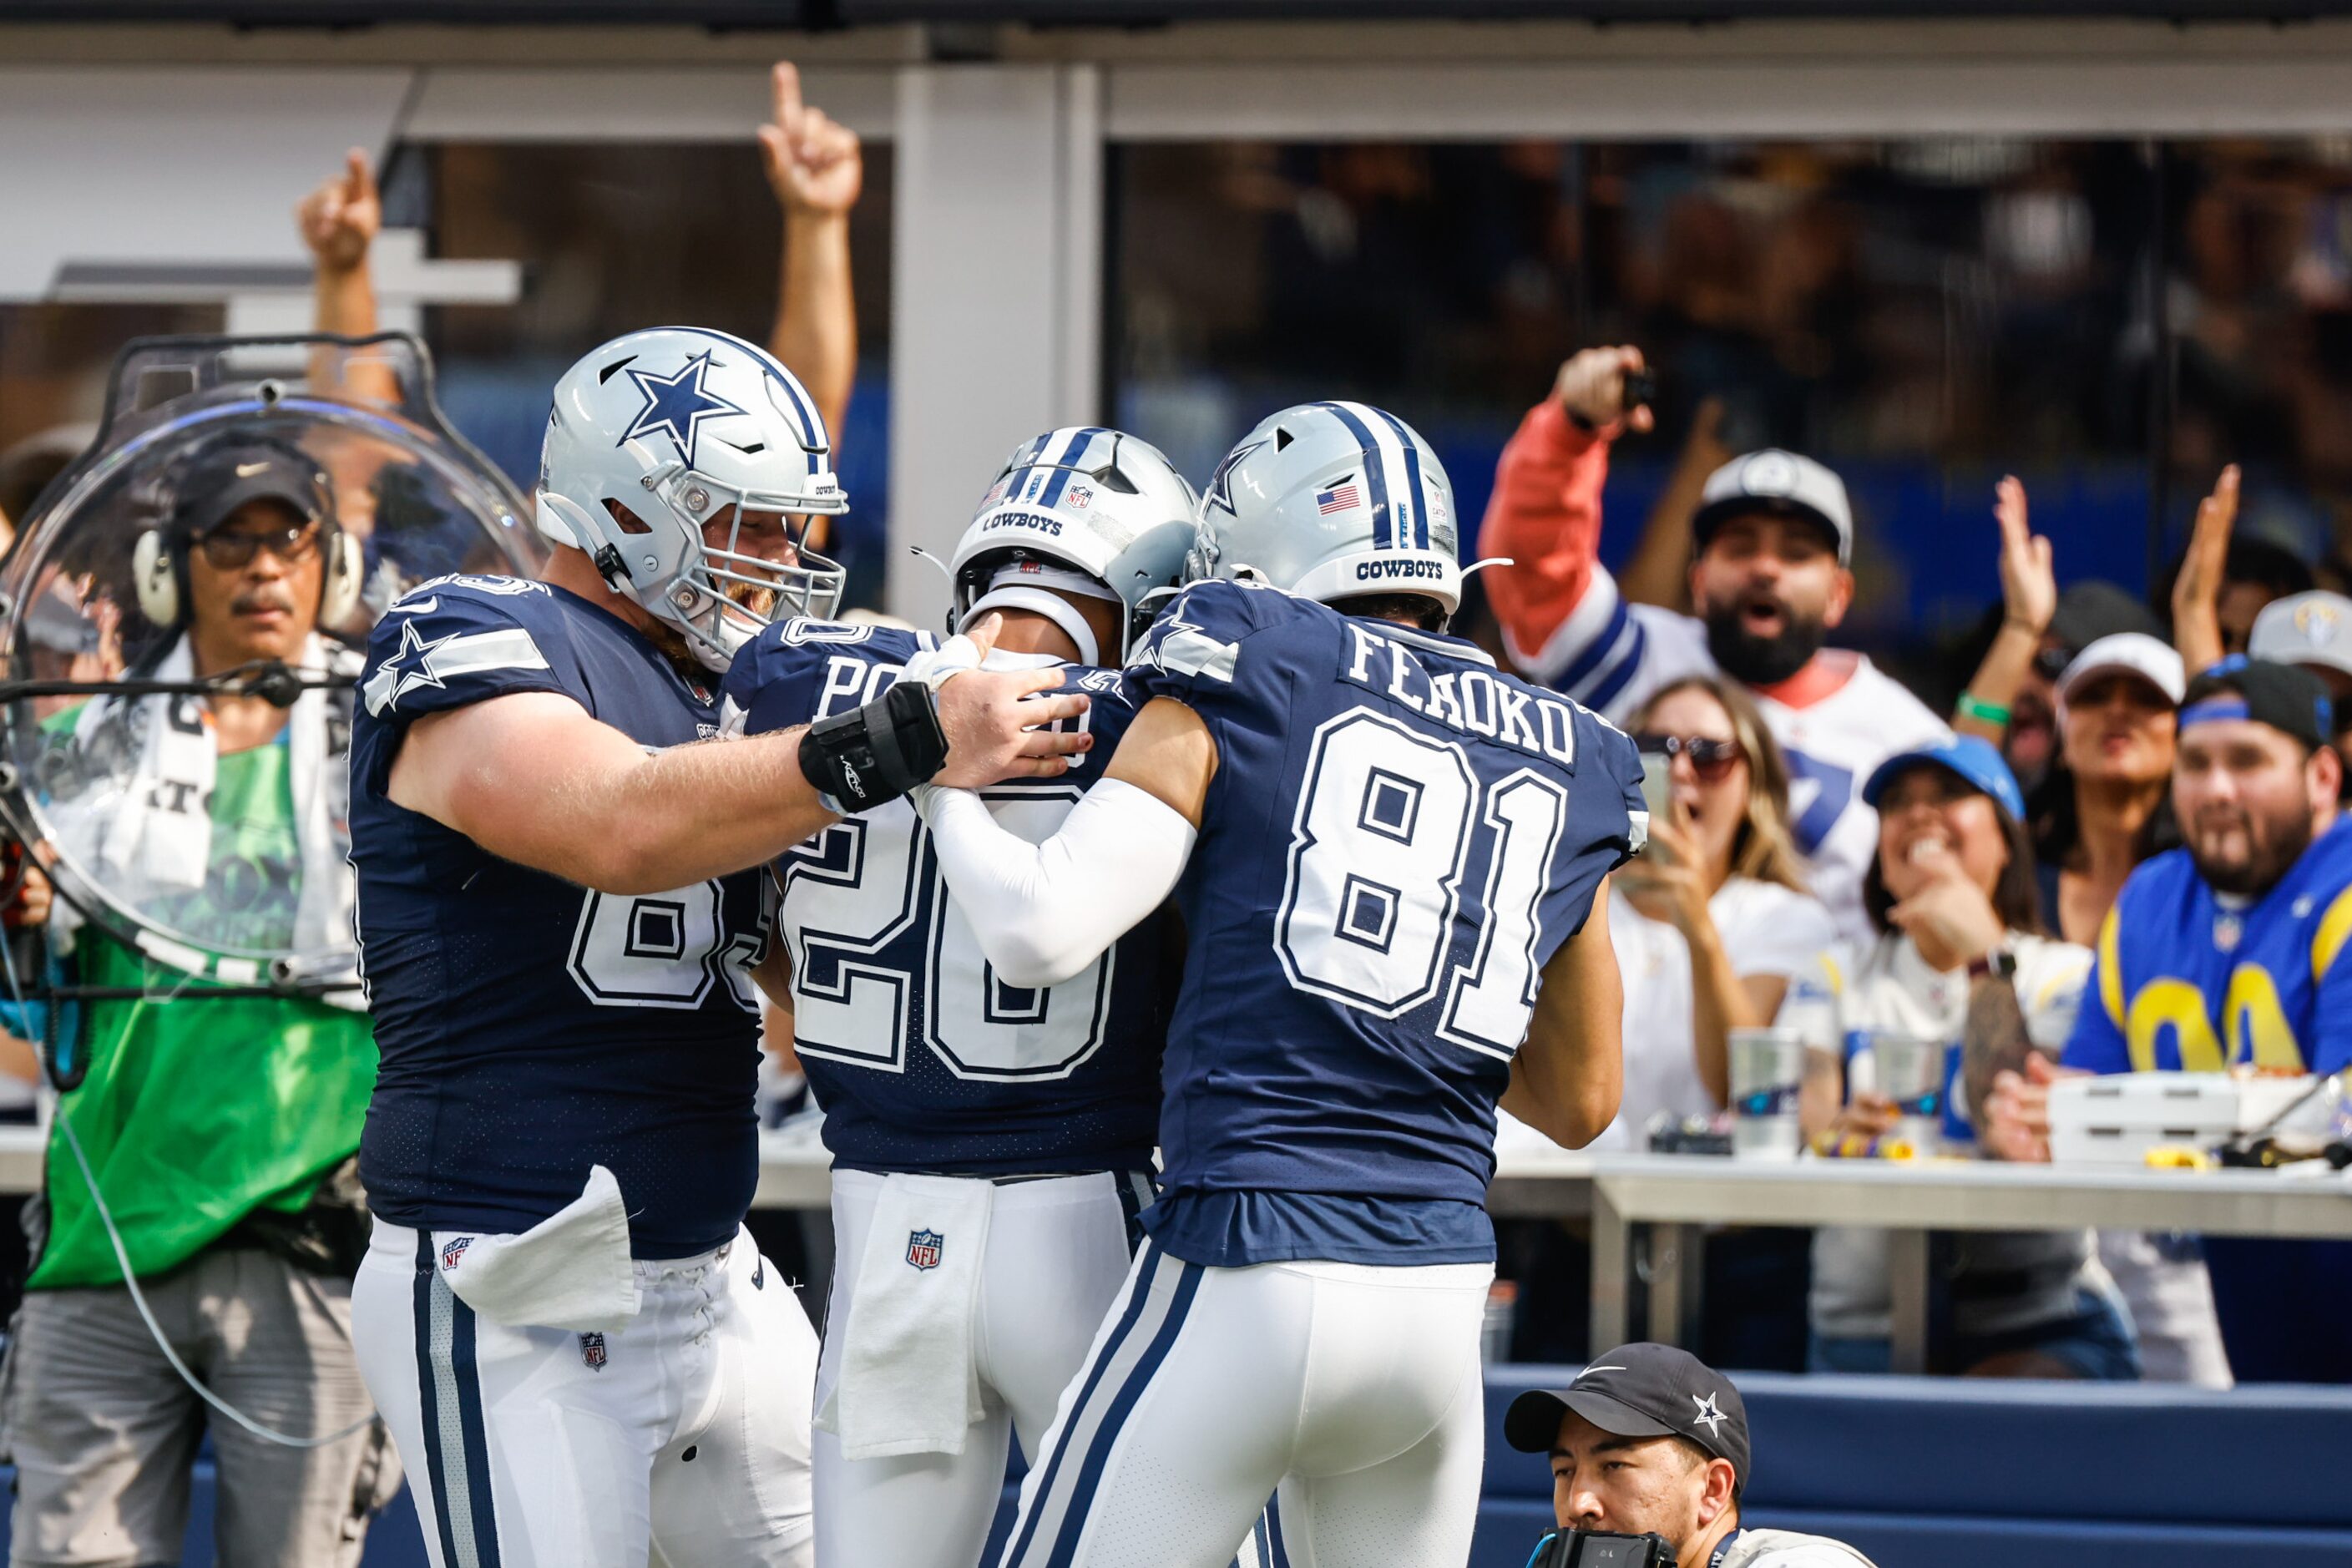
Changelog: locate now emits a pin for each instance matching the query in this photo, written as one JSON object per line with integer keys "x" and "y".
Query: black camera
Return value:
{"x": 1602, "y": 1549}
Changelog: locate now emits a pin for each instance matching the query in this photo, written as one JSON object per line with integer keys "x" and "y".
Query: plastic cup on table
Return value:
{"x": 1766, "y": 1067}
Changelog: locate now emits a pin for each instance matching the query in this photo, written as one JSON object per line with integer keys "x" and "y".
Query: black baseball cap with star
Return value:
{"x": 1640, "y": 1391}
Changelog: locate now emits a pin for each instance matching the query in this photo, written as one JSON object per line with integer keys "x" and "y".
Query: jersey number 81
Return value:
{"x": 1379, "y": 853}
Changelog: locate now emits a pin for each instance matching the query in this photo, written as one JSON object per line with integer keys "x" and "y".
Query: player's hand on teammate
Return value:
{"x": 340, "y": 219}
{"x": 2029, "y": 583}
{"x": 814, "y": 162}
{"x": 997, "y": 724}
{"x": 1592, "y": 387}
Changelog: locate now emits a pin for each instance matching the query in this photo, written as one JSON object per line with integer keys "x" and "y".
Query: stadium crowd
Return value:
{"x": 2130, "y": 809}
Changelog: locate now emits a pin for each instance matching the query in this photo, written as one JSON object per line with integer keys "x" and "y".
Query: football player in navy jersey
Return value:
{"x": 581, "y": 1357}
{"x": 1388, "y": 925}
{"x": 992, "y": 1144}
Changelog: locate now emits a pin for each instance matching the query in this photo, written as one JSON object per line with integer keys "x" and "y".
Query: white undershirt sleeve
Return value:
{"x": 1044, "y": 911}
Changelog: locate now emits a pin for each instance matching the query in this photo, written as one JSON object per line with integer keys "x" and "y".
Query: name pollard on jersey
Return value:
{"x": 530, "y": 1028}
{"x": 1397, "y": 838}
{"x": 921, "y": 1057}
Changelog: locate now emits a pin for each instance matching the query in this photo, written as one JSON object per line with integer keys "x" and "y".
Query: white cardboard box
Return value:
{"x": 2115, "y": 1119}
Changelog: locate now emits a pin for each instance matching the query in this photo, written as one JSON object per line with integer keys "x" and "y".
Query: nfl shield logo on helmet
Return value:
{"x": 453, "y": 1249}
{"x": 1079, "y": 497}
{"x": 923, "y": 1248}
{"x": 591, "y": 1352}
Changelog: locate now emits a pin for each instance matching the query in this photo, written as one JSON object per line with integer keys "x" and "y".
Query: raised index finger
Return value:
{"x": 787, "y": 89}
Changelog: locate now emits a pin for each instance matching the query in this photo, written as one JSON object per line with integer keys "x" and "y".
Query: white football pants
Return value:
{"x": 681, "y": 1440}
{"x": 1057, "y": 1253}
{"x": 1352, "y": 1392}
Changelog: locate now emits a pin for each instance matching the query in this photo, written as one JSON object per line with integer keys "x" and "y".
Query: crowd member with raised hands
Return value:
{"x": 1772, "y": 539}
{"x": 1959, "y": 955}
{"x": 1715, "y": 915}
{"x": 816, "y": 167}
{"x": 2029, "y": 602}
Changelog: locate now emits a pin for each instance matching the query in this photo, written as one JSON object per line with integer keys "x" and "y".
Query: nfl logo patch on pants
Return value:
{"x": 923, "y": 1248}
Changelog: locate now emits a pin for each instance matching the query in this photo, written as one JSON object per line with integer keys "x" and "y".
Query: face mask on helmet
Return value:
{"x": 686, "y": 464}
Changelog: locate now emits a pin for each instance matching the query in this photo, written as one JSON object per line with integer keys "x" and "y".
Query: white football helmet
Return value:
{"x": 671, "y": 426}
{"x": 1085, "y": 510}
{"x": 1332, "y": 500}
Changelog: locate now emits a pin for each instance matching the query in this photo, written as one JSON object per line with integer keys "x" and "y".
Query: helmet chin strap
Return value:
{"x": 1038, "y": 601}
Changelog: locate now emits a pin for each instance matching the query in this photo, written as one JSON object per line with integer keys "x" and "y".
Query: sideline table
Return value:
{"x": 1677, "y": 1195}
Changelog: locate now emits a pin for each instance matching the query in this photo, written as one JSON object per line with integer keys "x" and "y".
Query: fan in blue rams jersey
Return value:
{"x": 2230, "y": 953}
{"x": 1385, "y": 854}
{"x": 992, "y": 1144}
{"x": 561, "y": 911}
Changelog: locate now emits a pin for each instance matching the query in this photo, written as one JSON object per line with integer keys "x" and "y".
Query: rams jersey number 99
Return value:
{"x": 923, "y": 1059}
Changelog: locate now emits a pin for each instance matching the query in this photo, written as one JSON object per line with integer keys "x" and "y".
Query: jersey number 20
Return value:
{"x": 1378, "y": 858}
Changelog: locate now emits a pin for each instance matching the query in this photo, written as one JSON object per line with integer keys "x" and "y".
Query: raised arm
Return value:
{"x": 1569, "y": 1077}
{"x": 339, "y": 221}
{"x": 2197, "y": 592}
{"x": 2028, "y": 598}
{"x": 816, "y": 169}
{"x": 1044, "y": 911}
{"x": 533, "y": 778}
{"x": 1560, "y": 609}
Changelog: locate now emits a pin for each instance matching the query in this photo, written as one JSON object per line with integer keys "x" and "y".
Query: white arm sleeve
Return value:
{"x": 1044, "y": 911}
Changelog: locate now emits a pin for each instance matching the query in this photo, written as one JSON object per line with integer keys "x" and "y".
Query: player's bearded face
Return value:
{"x": 1769, "y": 588}
{"x": 2245, "y": 804}
{"x": 769, "y": 536}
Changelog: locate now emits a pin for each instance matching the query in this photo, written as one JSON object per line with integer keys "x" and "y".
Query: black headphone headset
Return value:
{"x": 158, "y": 559}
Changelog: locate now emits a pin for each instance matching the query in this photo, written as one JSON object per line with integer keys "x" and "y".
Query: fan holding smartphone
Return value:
{"x": 1714, "y": 914}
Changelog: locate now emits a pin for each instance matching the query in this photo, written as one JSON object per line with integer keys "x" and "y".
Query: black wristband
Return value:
{"x": 874, "y": 754}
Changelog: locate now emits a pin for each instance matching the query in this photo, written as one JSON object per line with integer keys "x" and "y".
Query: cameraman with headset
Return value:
{"x": 220, "y": 1131}
{"x": 1649, "y": 1457}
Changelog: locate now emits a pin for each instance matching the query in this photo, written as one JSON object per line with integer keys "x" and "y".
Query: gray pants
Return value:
{"x": 103, "y": 1431}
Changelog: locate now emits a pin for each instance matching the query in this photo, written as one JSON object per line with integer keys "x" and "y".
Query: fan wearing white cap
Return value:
{"x": 991, "y": 1144}
{"x": 2103, "y": 809}
{"x": 1769, "y": 577}
{"x": 2314, "y": 630}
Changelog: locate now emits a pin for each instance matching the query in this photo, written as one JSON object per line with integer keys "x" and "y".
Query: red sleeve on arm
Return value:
{"x": 1545, "y": 514}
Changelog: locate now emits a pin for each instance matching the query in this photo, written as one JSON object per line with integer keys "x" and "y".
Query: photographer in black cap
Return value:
{"x": 1651, "y": 1442}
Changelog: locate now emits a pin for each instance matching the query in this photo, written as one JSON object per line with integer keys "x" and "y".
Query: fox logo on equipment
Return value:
{"x": 923, "y": 1248}
{"x": 453, "y": 1249}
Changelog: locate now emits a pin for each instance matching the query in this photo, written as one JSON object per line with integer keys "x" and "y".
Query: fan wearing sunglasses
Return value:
{"x": 1716, "y": 914}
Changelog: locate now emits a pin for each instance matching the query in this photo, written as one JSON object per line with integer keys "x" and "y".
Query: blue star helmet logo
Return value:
{"x": 1220, "y": 483}
{"x": 677, "y": 405}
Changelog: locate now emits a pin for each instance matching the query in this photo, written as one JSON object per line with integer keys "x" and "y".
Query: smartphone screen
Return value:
{"x": 1657, "y": 784}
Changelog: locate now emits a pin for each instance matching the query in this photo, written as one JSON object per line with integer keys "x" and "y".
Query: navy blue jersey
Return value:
{"x": 1397, "y": 839}
{"x": 530, "y": 1028}
{"x": 922, "y": 1058}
